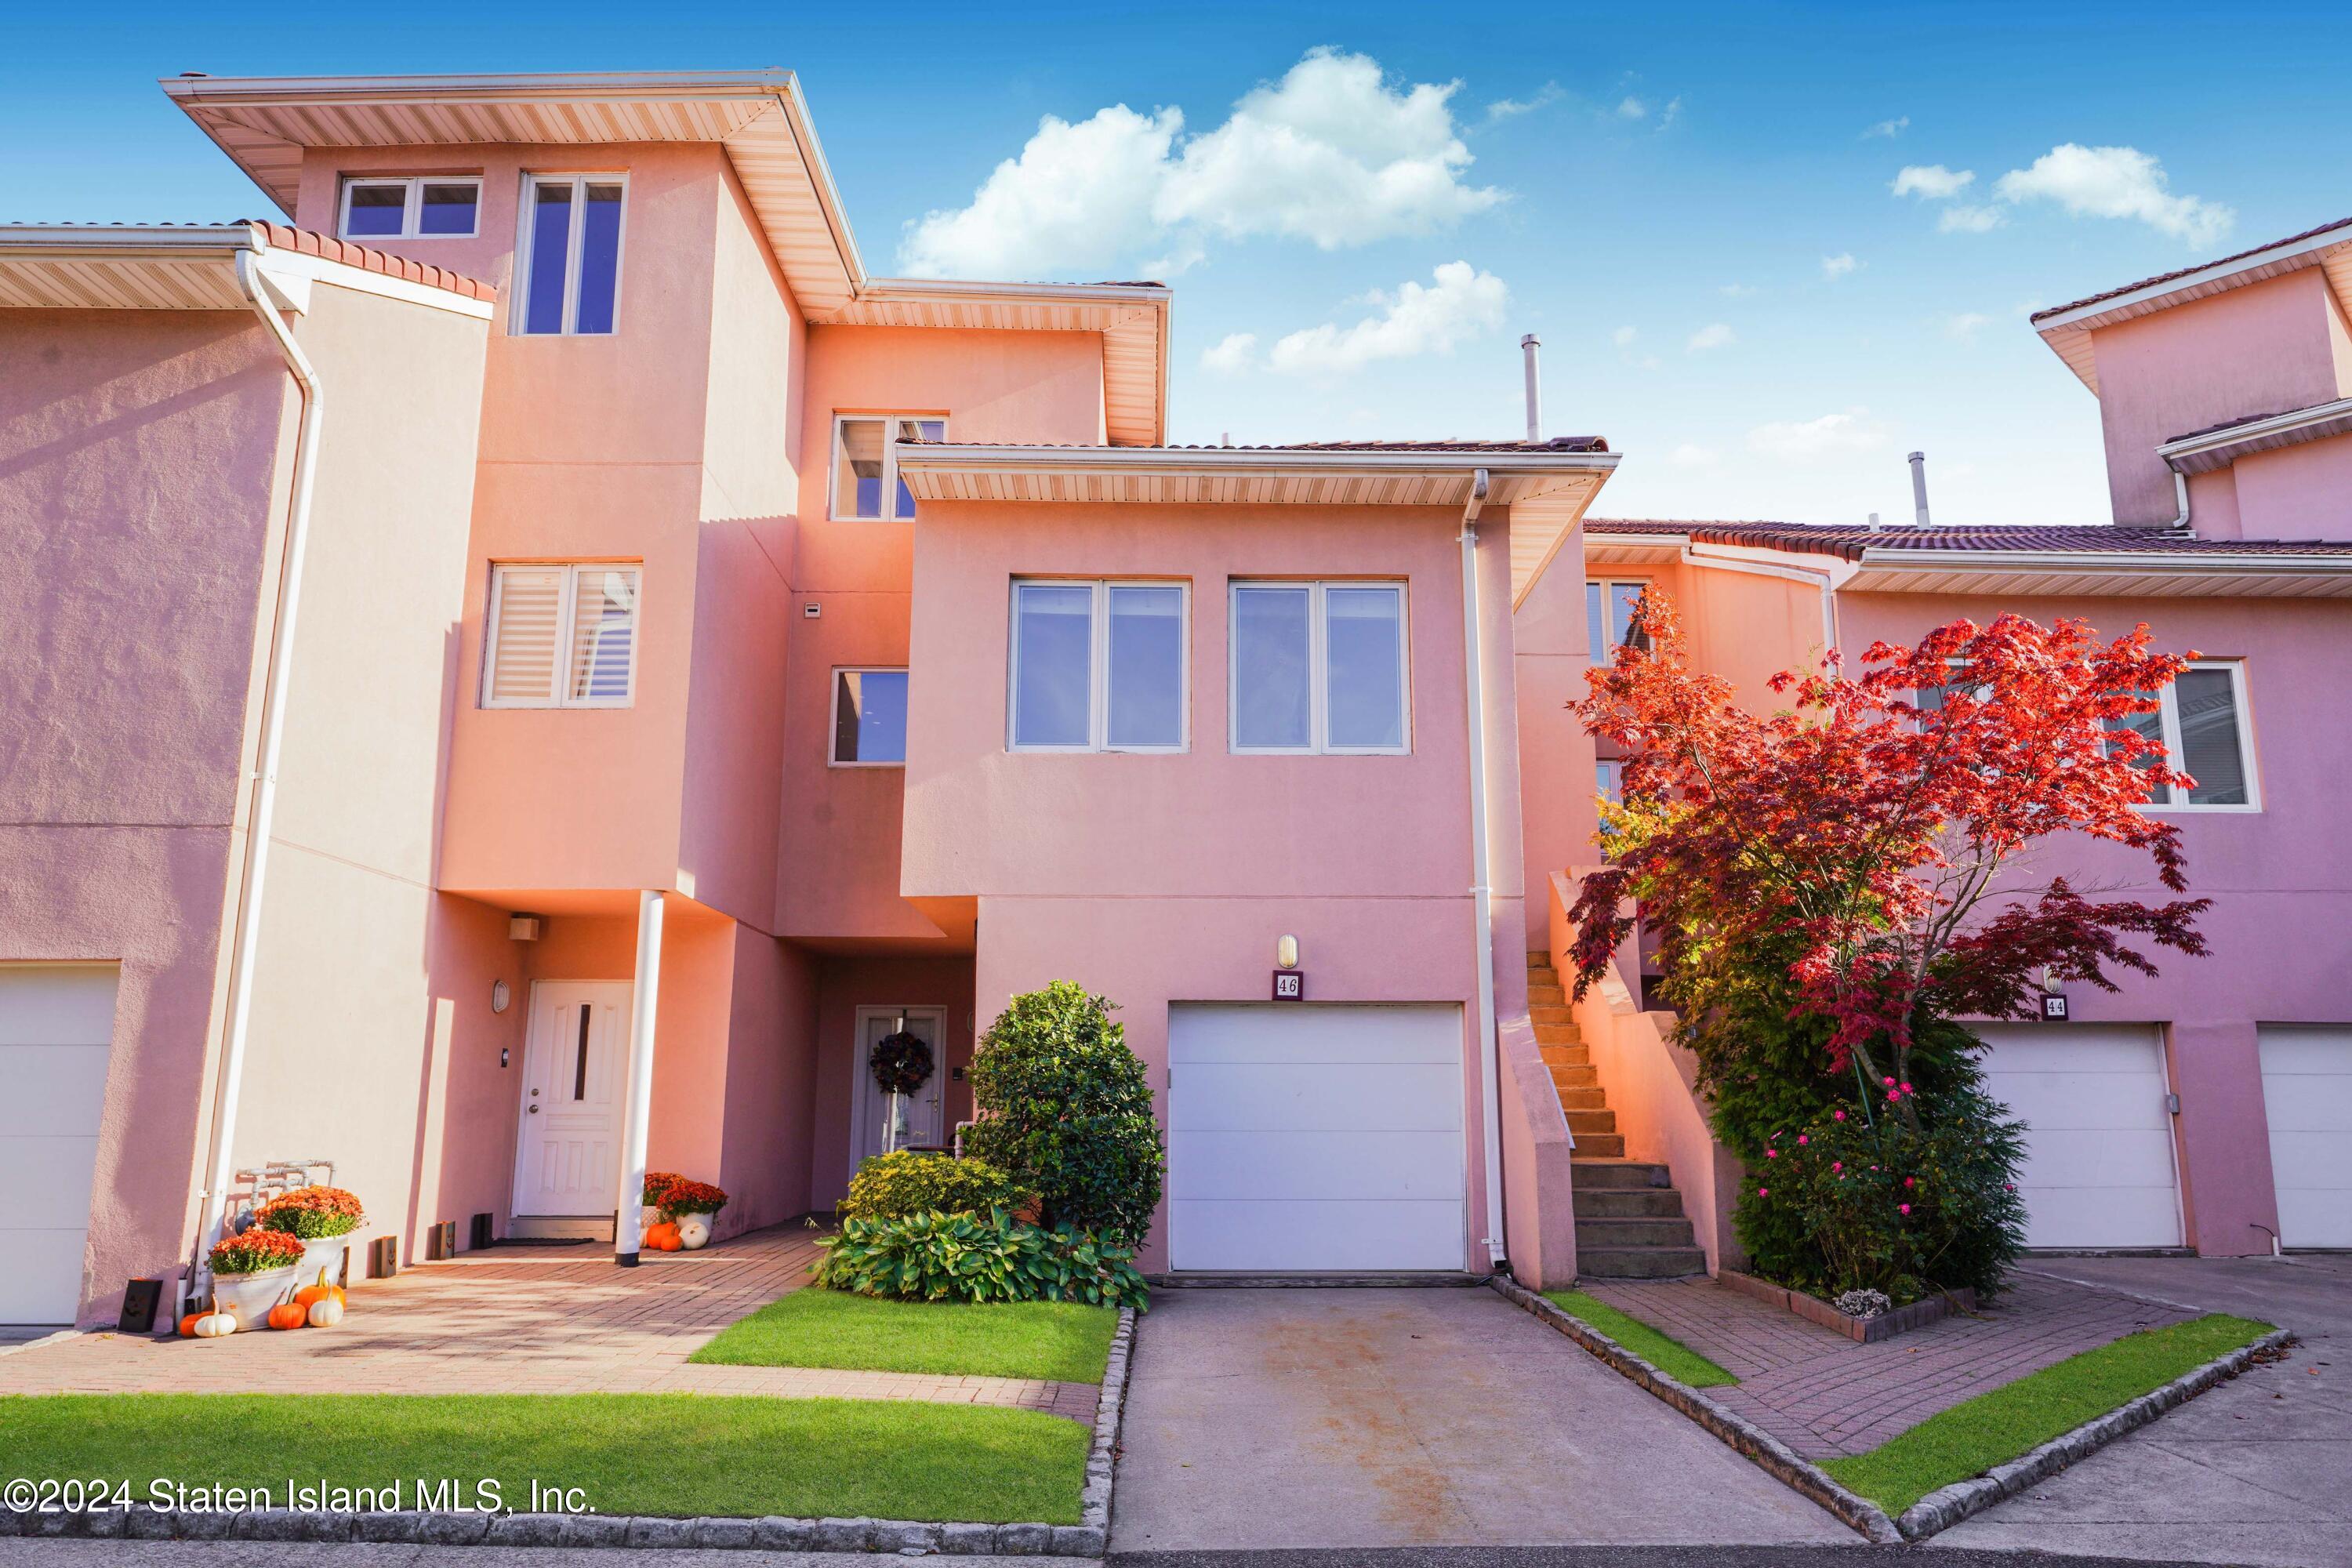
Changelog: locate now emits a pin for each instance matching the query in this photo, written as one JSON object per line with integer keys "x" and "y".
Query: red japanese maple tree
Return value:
{"x": 1878, "y": 844}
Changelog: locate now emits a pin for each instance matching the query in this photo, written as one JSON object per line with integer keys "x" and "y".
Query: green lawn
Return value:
{"x": 1060, "y": 1340}
{"x": 1994, "y": 1428}
{"x": 1668, "y": 1354}
{"x": 675, "y": 1454}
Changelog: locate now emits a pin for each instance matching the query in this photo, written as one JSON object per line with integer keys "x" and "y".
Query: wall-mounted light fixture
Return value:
{"x": 1285, "y": 952}
{"x": 500, "y": 996}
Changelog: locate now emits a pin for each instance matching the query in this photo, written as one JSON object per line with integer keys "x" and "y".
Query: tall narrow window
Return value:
{"x": 1609, "y": 617}
{"x": 562, "y": 636}
{"x": 869, "y": 718}
{"x": 865, "y": 482}
{"x": 2200, "y": 721}
{"x": 570, "y": 263}
{"x": 1320, "y": 667}
{"x": 1097, "y": 666}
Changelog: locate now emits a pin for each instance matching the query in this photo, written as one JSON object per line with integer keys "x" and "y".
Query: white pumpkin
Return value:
{"x": 693, "y": 1231}
{"x": 215, "y": 1324}
{"x": 325, "y": 1312}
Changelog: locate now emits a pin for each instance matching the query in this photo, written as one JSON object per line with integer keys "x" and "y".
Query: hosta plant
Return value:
{"x": 977, "y": 1258}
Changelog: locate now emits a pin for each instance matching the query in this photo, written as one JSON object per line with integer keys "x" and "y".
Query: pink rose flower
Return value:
{"x": 1908, "y": 1090}
{"x": 1903, "y": 1208}
{"x": 1837, "y": 1164}
{"x": 1890, "y": 1083}
{"x": 1908, "y": 1181}
{"x": 1763, "y": 1191}
{"x": 1802, "y": 1139}
{"x": 1894, "y": 1095}
{"x": 1837, "y": 1116}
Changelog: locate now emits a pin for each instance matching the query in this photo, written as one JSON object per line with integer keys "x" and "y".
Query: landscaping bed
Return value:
{"x": 1862, "y": 1330}
{"x": 1059, "y": 1341}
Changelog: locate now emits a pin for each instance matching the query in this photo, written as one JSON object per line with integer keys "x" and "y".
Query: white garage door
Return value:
{"x": 55, "y": 1022}
{"x": 2308, "y": 1095}
{"x": 2098, "y": 1141}
{"x": 1315, "y": 1138}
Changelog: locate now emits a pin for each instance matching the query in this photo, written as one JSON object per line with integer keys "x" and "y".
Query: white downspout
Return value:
{"x": 2181, "y": 493}
{"x": 1482, "y": 895}
{"x": 221, "y": 1167}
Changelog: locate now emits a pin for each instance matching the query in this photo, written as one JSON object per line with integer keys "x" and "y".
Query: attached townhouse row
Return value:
{"x": 529, "y": 669}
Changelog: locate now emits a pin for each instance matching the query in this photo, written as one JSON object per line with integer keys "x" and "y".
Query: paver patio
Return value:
{"x": 1824, "y": 1395}
{"x": 522, "y": 1321}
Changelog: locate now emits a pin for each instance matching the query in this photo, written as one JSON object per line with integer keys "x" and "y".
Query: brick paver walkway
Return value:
{"x": 1824, "y": 1395}
{"x": 520, "y": 1321}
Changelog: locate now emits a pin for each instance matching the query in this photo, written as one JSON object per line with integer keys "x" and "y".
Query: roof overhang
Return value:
{"x": 193, "y": 267}
{"x": 2210, "y": 450}
{"x": 2158, "y": 574}
{"x": 2068, "y": 331}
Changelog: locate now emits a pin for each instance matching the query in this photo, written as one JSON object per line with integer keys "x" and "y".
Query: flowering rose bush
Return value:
{"x": 311, "y": 1213}
{"x": 256, "y": 1250}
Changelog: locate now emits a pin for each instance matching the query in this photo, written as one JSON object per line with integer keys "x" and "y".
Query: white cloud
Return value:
{"x": 1836, "y": 267}
{"x": 1932, "y": 181}
{"x": 1632, "y": 108}
{"x": 1331, "y": 153}
{"x": 1416, "y": 320}
{"x": 1512, "y": 107}
{"x": 1737, "y": 291}
{"x": 1964, "y": 327}
{"x": 1231, "y": 354}
{"x": 1714, "y": 335}
{"x": 1889, "y": 128}
{"x": 1961, "y": 218}
{"x": 1831, "y": 435}
{"x": 1691, "y": 455}
{"x": 1623, "y": 337}
{"x": 1672, "y": 113}
{"x": 2115, "y": 182}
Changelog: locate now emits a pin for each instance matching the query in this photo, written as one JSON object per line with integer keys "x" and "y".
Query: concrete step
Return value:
{"x": 1601, "y": 1146}
{"x": 1593, "y": 1121}
{"x": 1570, "y": 1056}
{"x": 1547, "y": 993}
{"x": 1591, "y": 1169}
{"x": 1575, "y": 1076}
{"x": 1584, "y": 1096}
{"x": 1558, "y": 1035}
{"x": 1639, "y": 1262}
{"x": 1550, "y": 1012}
{"x": 1616, "y": 1235}
{"x": 1626, "y": 1203}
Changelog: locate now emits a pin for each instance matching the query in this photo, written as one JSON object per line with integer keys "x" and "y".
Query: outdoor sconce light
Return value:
{"x": 500, "y": 996}
{"x": 1285, "y": 952}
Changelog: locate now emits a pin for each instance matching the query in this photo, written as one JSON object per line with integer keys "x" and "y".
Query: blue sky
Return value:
{"x": 1694, "y": 206}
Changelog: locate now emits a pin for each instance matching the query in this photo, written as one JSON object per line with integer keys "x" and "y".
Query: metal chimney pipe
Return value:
{"x": 1529, "y": 346}
{"x": 1919, "y": 486}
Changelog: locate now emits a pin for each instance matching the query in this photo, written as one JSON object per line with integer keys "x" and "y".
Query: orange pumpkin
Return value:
{"x": 321, "y": 1292}
{"x": 663, "y": 1237}
{"x": 188, "y": 1325}
{"x": 288, "y": 1315}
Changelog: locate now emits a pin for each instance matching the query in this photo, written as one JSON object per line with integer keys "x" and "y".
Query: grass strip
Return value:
{"x": 681, "y": 1454}
{"x": 1995, "y": 1427}
{"x": 1665, "y": 1353}
{"x": 1060, "y": 1341}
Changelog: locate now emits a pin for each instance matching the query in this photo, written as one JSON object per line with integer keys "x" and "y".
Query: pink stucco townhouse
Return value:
{"x": 528, "y": 665}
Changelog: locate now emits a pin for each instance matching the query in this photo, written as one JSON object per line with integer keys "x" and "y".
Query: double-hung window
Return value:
{"x": 869, "y": 718}
{"x": 1320, "y": 667}
{"x": 425, "y": 207}
{"x": 562, "y": 635}
{"x": 1097, "y": 666}
{"x": 865, "y": 482}
{"x": 568, "y": 262}
{"x": 1609, "y": 617}
{"x": 2201, "y": 724}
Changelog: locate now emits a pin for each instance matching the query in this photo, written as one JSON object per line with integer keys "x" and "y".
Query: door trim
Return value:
{"x": 861, "y": 1089}
{"x": 628, "y": 989}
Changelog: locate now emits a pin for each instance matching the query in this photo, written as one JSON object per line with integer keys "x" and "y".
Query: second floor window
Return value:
{"x": 1097, "y": 666}
{"x": 562, "y": 635}
{"x": 2201, "y": 723}
{"x": 568, "y": 271}
{"x": 865, "y": 482}
{"x": 1608, "y": 616}
{"x": 1320, "y": 667}
{"x": 421, "y": 208}
{"x": 869, "y": 718}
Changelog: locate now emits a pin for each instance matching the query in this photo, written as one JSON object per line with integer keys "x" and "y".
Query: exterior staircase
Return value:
{"x": 1629, "y": 1217}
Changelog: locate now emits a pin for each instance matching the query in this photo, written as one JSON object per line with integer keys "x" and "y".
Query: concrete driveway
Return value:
{"x": 1366, "y": 1418}
{"x": 2257, "y": 1470}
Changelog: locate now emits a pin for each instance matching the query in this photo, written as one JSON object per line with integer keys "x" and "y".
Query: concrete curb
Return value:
{"x": 1087, "y": 1538}
{"x": 1947, "y": 1506}
{"x": 1774, "y": 1456}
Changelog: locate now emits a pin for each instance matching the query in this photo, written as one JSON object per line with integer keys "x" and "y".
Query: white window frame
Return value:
{"x": 1609, "y": 780}
{"x": 526, "y": 205}
{"x": 565, "y": 616}
{"x": 412, "y": 209}
{"x": 2169, "y": 712}
{"x": 1318, "y": 666}
{"x": 1098, "y": 664}
{"x": 833, "y": 716}
{"x": 1609, "y": 586}
{"x": 889, "y": 465}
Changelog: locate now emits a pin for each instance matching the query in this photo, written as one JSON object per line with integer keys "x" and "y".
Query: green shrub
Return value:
{"x": 913, "y": 1182}
{"x": 977, "y": 1257}
{"x": 1064, "y": 1105}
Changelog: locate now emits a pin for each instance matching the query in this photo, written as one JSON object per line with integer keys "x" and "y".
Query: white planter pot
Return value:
{"x": 694, "y": 1230}
{"x": 327, "y": 1252}
{"x": 250, "y": 1296}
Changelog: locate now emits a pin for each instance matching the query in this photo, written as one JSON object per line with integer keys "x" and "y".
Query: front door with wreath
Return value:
{"x": 900, "y": 1037}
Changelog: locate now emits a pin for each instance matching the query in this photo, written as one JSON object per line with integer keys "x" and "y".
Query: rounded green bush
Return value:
{"x": 1064, "y": 1106}
{"x": 890, "y": 1186}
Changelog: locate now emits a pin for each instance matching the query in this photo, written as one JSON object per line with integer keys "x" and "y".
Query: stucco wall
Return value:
{"x": 2294, "y": 493}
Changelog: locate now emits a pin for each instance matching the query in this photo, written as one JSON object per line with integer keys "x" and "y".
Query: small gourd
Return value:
{"x": 326, "y": 1312}
{"x": 288, "y": 1315}
{"x": 216, "y": 1324}
{"x": 310, "y": 1295}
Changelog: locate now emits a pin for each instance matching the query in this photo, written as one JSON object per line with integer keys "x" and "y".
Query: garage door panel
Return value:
{"x": 50, "y": 1087}
{"x": 43, "y": 1266}
{"x": 1288, "y": 1032}
{"x": 2101, "y": 1216}
{"x": 1282, "y": 1096}
{"x": 2069, "y": 1102}
{"x": 1230, "y": 1165}
{"x": 2307, "y": 1102}
{"x": 2089, "y": 1159}
{"x": 55, "y": 1024}
{"x": 2307, "y": 1099}
{"x": 47, "y": 1005}
{"x": 2098, "y": 1168}
{"x": 1289, "y": 1234}
{"x": 61, "y": 1169}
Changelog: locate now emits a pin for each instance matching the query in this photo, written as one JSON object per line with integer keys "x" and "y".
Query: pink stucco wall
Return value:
{"x": 2291, "y": 493}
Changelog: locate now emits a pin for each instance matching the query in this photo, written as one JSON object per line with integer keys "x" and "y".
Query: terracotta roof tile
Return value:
{"x": 1571, "y": 443}
{"x": 2185, "y": 272}
{"x": 1848, "y": 540}
{"x": 310, "y": 242}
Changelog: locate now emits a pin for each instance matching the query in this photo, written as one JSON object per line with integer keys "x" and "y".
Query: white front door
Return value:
{"x": 2099, "y": 1131}
{"x": 572, "y": 1067}
{"x": 55, "y": 1023}
{"x": 1316, "y": 1139}
{"x": 922, "y": 1123}
{"x": 2307, "y": 1098}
